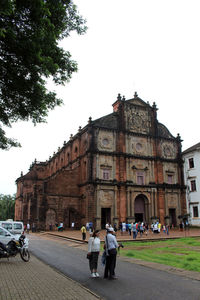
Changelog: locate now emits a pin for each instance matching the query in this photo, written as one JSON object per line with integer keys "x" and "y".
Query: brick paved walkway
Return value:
{"x": 37, "y": 281}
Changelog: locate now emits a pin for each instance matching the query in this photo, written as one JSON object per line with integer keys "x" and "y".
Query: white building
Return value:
{"x": 191, "y": 157}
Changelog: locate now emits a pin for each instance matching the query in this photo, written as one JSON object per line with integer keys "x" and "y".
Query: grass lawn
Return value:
{"x": 182, "y": 253}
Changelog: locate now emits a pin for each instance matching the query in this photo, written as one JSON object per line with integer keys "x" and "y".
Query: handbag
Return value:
{"x": 88, "y": 256}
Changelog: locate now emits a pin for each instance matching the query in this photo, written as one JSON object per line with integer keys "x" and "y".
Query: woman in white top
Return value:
{"x": 93, "y": 252}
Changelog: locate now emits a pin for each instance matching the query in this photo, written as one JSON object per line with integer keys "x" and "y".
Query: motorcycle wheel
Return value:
{"x": 25, "y": 255}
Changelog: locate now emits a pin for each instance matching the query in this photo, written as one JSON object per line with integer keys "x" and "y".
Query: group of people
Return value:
{"x": 141, "y": 228}
{"x": 110, "y": 253}
{"x": 27, "y": 227}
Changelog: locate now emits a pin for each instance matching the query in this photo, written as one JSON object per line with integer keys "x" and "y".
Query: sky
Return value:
{"x": 148, "y": 46}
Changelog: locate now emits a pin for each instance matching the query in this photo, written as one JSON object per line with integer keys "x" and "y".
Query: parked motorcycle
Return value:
{"x": 14, "y": 247}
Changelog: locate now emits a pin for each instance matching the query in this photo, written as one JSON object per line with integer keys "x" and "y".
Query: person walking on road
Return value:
{"x": 93, "y": 253}
{"x": 111, "y": 246}
{"x": 83, "y": 230}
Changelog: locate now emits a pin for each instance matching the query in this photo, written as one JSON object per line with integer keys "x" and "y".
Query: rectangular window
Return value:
{"x": 195, "y": 212}
{"x": 106, "y": 174}
{"x": 169, "y": 179}
{"x": 140, "y": 178}
{"x": 193, "y": 185}
{"x": 191, "y": 163}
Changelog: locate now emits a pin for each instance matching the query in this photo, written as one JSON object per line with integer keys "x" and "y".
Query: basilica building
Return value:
{"x": 125, "y": 166}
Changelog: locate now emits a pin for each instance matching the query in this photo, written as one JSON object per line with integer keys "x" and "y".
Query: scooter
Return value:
{"x": 14, "y": 247}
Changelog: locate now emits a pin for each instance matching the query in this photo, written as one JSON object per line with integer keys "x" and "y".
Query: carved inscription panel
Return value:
{"x": 172, "y": 200}
{"x": 106, "y": 198}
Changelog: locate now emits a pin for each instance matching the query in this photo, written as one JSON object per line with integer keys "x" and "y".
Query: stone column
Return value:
{"x": 98, "y": 208}
{"x": 114, "y": 167}
{"x": 132, "y": 206}
{"x": 128, "y": 213}
{"x": 115, "y": 216}
{"x": 166, "y": 204}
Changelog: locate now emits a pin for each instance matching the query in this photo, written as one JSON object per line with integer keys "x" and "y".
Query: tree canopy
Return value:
{"x": 7, "y": 207}
{"x": 29, "y": 54}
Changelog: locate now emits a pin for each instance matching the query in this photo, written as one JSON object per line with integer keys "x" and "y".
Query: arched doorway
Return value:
{"x": 50, "y": 218}
{"x": 140, "y": 208}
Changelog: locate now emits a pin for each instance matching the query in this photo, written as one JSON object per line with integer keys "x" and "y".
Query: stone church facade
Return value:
{"x": 124, "y": 166}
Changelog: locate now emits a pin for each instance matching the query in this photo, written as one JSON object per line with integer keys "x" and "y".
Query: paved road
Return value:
{"x": 135, "y": 281}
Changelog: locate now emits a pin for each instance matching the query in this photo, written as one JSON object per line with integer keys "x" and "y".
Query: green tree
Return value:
{"x": 29, "y": 54}
{"x": 7, "y": 207}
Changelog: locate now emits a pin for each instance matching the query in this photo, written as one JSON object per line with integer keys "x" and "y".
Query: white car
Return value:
{"x": 6, "y": 236}
{"x": 13, "y": 226}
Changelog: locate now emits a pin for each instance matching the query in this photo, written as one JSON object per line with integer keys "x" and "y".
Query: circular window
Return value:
{"x": 138, "y": 146}
{"x": 167, "y": 151}
{"x": 105, "y": 142}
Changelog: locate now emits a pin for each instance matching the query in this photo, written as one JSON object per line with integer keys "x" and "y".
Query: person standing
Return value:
{"x": 159, "y": 227}
{"x": 83, "y": 230}
{"x": 155, "y": 228}
{"x": 33, "y": 227}
{"x": 123, "y": 227}
{"x": 134, "y": 229}
{"x": 129, "y": 228}
{"x": 111, "y": 246}
{"x": 60, "y": 228}
{"x": 93, "y": 253}
{"x": 28, "y": 227}
{"x": 141, "y": 229}
{"x": 167, "y": 229}
{"x": 87, "y": 226}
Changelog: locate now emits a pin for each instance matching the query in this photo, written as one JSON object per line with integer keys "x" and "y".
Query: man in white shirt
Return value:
{"x": 28, "y": 228}
{"x": 111, "y": 248}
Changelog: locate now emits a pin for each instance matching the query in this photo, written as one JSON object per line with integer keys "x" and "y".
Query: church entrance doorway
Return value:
{"x": 105, "y": 217}
{"x": 139, "y": 208}
{"x": 138, "y": 218}
{"x": 172, "y": 217}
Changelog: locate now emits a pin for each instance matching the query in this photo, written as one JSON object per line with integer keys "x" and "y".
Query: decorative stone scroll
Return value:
{"x": 169, "y": 150}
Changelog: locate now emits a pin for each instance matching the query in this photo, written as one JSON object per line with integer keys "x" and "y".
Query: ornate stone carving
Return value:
{"x": 168, "y": 150}
{"x": 139, "y": 146}
{"x": 105, "y": 141}
{"x": 138, "y": 120}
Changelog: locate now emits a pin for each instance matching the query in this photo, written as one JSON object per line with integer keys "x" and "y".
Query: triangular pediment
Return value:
{"x": 137, "y": 101}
